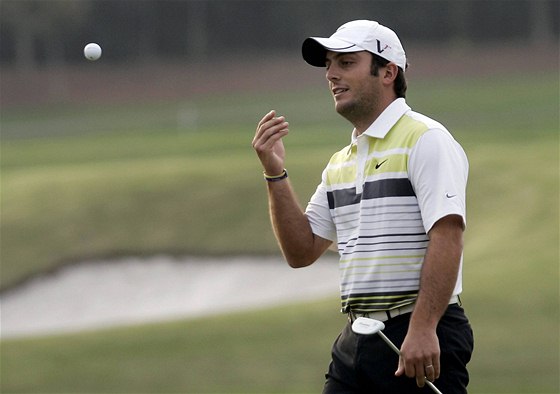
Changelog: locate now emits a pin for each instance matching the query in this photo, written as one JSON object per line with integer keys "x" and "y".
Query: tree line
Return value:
{"x": 39, "y": 33}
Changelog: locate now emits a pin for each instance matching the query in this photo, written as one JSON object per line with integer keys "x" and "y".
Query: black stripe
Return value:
{"x": 389, "y": 236}
{"x": 400, "y": 187}
{"x": 377, "y": 305}
{"x": 398, "y": 294}
{"x": 382, "y": 250}
{"x": 343, "y": 197}
{"x": 388, "y": 243}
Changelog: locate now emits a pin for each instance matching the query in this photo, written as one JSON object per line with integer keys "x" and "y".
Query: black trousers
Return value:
{"x": 365, "y": 364}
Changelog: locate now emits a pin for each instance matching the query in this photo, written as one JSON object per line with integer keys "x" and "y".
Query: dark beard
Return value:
{"x": 355, "y": 112}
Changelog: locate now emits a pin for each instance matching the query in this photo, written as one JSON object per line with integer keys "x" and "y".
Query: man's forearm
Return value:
{"x": 291, "y": 226}
{"x": 420, "y": 350}
{"x": 439, "y": 273}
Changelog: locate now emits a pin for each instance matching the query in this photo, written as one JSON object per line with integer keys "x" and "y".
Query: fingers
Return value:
{"x": 401, "y": 369}
{"x": 420, "y": 356}
{"x": 430, "y": 372}
{"x": 433, "y": 372}
{"x": 267, "y": 117}
{"x": 267, "y": 142}
{"x": 412, "y": 370}
{"x": 420, "y": 374}
{"x": 269, "y": 130}
{"x": 421, "y": 370}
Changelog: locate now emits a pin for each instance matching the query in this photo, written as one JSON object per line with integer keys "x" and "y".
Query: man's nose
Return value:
{"x": 332, "y": 74}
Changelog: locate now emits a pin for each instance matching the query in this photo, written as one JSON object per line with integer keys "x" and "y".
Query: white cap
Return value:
{"x": 360, "y": 35}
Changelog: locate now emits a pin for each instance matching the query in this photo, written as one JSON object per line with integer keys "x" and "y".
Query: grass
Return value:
{"x": 79, "y": 191}
{"x": 218, "y": 354}
{"x": 75, "y": 208}
{"x": 512, "y": 276}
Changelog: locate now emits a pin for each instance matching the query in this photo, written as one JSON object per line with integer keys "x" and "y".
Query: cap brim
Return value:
{"x": 314, "y": 49}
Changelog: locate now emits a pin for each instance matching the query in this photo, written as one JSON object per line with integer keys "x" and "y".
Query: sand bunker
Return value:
{"x": 101, "y": 294}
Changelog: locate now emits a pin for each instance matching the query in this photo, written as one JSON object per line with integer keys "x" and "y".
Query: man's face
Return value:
{"x": 355, "y": 90}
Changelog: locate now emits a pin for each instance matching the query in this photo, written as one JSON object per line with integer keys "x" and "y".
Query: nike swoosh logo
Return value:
{"x": 380, "y": 164}
{"x": 450, "y": 196}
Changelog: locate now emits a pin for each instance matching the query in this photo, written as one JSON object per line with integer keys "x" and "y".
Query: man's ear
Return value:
{"x": 391, "y": 72}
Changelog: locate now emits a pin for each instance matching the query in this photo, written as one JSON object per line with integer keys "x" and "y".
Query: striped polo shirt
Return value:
{"x": 378, "y": 199}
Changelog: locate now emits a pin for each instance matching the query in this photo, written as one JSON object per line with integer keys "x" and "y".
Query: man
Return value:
{"x": 393, "y": 205}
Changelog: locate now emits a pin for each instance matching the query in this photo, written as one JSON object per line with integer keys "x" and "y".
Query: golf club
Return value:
{"x": 367, "y": 326}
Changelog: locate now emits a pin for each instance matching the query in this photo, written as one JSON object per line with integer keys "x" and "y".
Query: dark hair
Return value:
{"x": 400, "y": 80}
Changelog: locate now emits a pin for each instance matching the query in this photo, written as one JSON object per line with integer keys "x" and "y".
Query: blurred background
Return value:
{"x": 137, "y": 168}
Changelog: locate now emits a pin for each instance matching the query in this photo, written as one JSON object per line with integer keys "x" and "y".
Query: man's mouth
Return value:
{"x": 338, "y": 90}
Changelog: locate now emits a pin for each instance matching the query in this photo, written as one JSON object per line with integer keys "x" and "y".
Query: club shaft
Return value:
{"x": 388, "y": 342}
{"x": 396, "y": 350}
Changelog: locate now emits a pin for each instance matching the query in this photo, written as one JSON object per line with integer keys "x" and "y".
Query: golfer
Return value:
{"x": 392, "y": 203}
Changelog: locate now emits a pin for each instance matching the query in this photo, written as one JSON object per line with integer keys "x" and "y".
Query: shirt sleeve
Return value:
{"x": 438, "y": 170}
{"x": 319, "y": 214}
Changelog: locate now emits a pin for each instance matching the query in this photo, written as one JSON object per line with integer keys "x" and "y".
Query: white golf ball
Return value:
{"x": 92, "y": 51}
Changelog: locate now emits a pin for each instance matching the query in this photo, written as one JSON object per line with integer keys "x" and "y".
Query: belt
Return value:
{"x": 390, "y": 314}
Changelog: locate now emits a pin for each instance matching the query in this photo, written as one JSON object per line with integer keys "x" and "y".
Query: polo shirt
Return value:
{"x": 378, "y": 199}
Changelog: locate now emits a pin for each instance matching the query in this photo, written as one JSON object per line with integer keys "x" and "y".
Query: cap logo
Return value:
{"x": 379, "y": 50}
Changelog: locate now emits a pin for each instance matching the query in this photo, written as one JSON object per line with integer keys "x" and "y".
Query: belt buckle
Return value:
{"x": 381, "y": 315}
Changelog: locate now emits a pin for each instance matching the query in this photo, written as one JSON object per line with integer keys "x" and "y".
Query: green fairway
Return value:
{"x": 181, "y": 178}
{"x": 273, "y": 351}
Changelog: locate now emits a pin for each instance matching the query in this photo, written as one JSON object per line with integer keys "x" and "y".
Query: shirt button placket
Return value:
{"x": 361, "y": 163}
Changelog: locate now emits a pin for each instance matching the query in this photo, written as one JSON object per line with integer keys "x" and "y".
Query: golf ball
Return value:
{"x": 92, "y": 51}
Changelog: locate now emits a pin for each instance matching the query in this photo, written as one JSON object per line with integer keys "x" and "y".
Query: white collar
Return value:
{"x": 384, "y": 122}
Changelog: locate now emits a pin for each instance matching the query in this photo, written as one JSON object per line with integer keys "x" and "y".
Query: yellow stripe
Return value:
{"x": 404, "y": 135}
{"x": 381, "y": 298}
{"x": 379, "y": 265}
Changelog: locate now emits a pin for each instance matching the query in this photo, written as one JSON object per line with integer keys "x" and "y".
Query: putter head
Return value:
{"x": 367, "y": 326}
